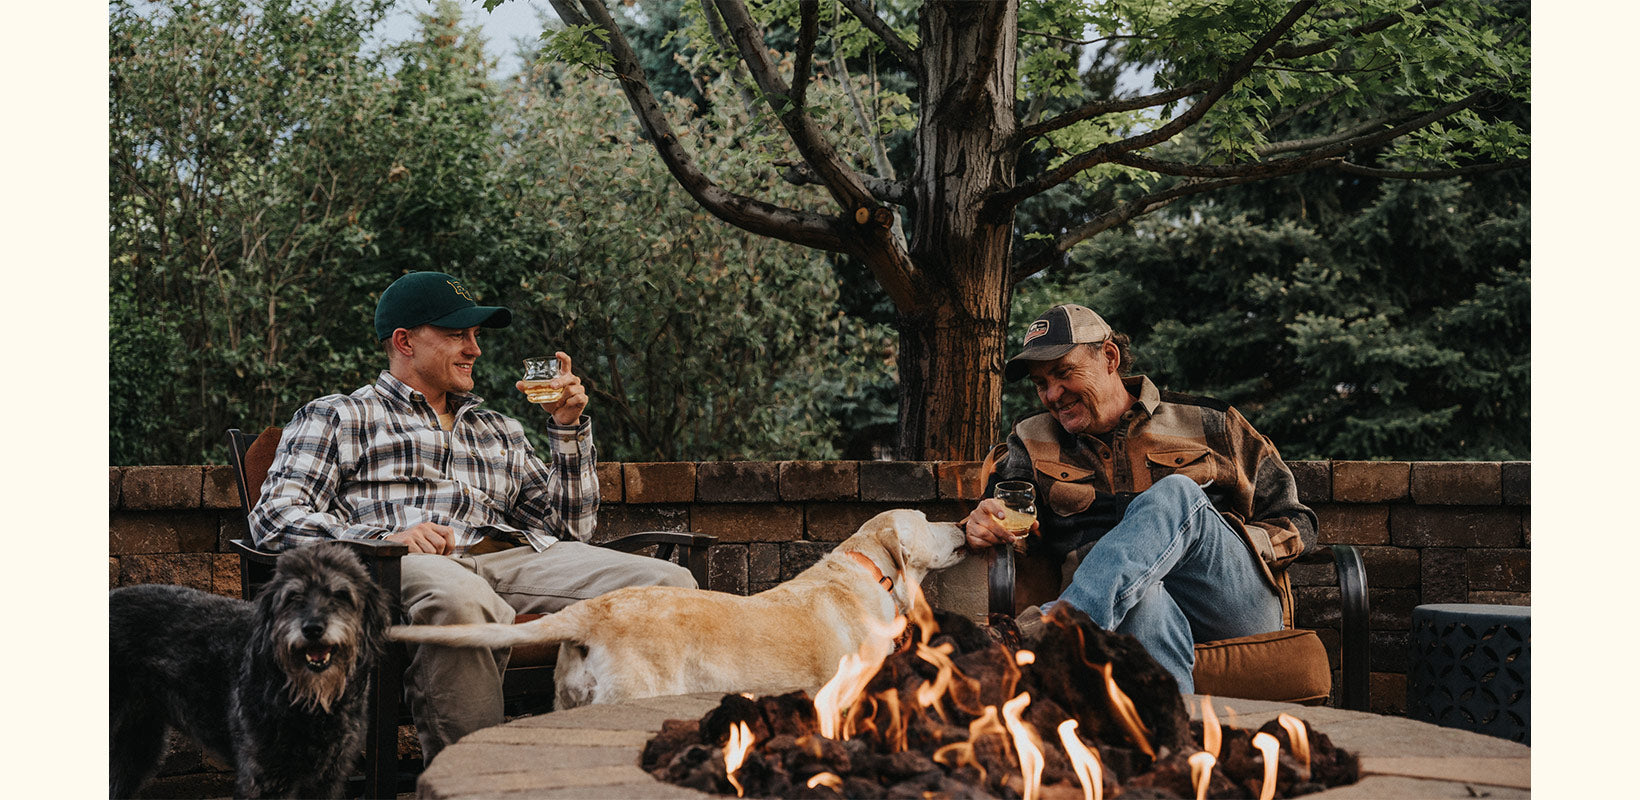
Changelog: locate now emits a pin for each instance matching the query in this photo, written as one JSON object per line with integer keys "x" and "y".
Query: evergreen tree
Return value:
{"x": 1348, "y": 318}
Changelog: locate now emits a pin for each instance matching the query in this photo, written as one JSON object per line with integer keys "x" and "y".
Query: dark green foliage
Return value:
{"x": 270, "y": 175}
{"x": 1347, "y": 318}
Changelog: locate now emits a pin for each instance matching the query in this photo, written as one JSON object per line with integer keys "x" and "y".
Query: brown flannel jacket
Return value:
{"x": 1083, "y": 486}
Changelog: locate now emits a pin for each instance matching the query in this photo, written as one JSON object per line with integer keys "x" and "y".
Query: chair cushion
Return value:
{"x": 1289, "y": 666}
{"x": 258, "y": 459}
{"x": 532, "y": 655}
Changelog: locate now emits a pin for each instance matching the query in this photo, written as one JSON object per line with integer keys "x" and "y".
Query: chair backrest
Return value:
{"x": 251, "y": 459}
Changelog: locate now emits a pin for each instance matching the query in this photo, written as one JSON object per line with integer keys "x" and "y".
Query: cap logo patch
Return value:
{"x": 1037, "y": 330}
{"x": 461, "y": 290}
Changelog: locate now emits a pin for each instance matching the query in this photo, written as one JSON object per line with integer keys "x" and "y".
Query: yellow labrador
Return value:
{"x": 659, "y": 640}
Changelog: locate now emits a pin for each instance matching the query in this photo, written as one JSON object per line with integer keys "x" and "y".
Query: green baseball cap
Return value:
{"x": 433, "y": 298}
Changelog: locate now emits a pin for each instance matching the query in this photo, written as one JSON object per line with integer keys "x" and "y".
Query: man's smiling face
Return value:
{"x": 441, "y": 359}
{"x": 1082, "y": 389}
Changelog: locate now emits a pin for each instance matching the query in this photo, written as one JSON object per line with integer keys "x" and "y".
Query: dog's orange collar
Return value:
{"x": 871, "y": 566}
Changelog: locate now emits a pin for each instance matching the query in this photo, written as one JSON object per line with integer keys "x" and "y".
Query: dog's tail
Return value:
{"x": 558, "y": 627}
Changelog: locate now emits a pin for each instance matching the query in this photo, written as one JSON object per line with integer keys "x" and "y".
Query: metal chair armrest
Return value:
{"x": 1356, "y": 607}
{"x": 1354, "y": 610}
{"x": 690, "y": 547}
{"x": 635, "y": 541}
{"x": 1000, "y": 579}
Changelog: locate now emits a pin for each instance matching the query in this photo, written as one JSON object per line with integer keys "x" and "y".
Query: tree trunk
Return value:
{"x": 951, "y": 344}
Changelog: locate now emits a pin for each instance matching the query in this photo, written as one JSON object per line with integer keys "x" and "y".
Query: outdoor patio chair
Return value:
{"x": 527, "y": 683}
{"x": 1289, "y": 665}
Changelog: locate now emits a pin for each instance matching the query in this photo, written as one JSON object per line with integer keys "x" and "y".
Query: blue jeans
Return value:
{"x": 1171, "y": 574}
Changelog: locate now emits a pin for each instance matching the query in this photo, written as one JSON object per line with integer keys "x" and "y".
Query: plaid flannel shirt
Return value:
{"x": 376, "y": 462}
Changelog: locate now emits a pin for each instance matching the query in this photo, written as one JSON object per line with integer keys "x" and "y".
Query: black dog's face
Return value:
{"x": 318, "y": 620}
{"x": 326, "y": 616}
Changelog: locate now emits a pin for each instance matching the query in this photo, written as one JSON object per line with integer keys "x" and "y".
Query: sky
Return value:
{"x": 502, "y": 26}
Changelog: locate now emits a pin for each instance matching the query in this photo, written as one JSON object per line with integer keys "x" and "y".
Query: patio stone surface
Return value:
{"x": 592, "y": 752}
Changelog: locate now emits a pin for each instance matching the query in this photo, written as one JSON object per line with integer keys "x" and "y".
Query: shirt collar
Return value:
{"x": 1149, "y": 397}
{"x": 391, "y": 387}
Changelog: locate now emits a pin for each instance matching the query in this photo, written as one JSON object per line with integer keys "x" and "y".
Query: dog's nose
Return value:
{"x": 313, "y": 630}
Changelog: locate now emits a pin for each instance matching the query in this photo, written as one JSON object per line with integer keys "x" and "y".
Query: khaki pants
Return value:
{"x": 454, "y": 691}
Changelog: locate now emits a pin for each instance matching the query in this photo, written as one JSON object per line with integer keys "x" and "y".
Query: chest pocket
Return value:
{"x": 1191, "y": 462}
{"x": 487, "y": 465}
{"x": 1070, "y": 488}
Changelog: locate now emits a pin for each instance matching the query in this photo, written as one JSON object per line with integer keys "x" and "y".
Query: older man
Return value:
{"x": 1176, "y": 513}
{"x": 493, "y": 529}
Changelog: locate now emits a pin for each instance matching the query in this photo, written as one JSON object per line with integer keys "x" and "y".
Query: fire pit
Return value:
{"x": 595, "y": 751}
{"x": 1082, "y": 712}
{"x": 592, "y": 752}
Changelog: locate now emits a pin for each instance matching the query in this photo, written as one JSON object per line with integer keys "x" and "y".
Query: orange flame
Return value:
{"x": 1083, "y": 760}
{"x": 734, "y": 753}
{"x": 854, "y": 671}
{"x": 1026, "y": 743}
{"x": 930, "y": 693}
{"x": 1268, "y": 745}
{"x": 1201, "y": 771}
{"x": 1299, "y": 738}
{"x": 957, "y": 754}
{"x": 895, "y": 736}
{"x": 1212, "y": 732}
{"x": 839, "y": 693}
{"x": 921, "y": 613}
{"x": 1127, "y": 714}
{"x": 1024, "y": 657}
{"x": 828, "y": 780}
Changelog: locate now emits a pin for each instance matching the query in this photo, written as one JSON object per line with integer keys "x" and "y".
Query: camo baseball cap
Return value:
{"x": 1055, "y": 333}
{"x": 433, "y": 298}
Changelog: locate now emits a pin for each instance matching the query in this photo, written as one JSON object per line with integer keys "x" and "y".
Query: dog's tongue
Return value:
{"x": 318, "y": 656}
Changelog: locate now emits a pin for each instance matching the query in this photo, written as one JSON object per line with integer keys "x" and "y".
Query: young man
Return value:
{"x": 493, "y": 529}
{"x": 1177, "y": 515}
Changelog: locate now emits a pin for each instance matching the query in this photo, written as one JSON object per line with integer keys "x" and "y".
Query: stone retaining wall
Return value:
{"x": 1431, "y": 532}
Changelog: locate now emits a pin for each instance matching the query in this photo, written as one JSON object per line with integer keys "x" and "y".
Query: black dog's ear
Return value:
{"x": 267, "y": 604}
{"x": 377, "y": 615}
{"x": 375, "y": 610}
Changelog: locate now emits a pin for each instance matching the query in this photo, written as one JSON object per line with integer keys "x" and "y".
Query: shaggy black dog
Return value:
{"x": 276, "y": 687}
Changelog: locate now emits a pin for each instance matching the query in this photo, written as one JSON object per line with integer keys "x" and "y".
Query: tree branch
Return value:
{"x": 741, "y": 211}
{"x": 885, "y": 190}
{"x": 1291, "y": 50}
{"x": 714, "y": 25}
{"x": 868, "y": 131}
{"x": 1201, "y": 178}
{"x": 1002, "y": 202}
{"x": 869, "y": 238}
{"x": 1098, "y": 107}
{"x": 1291, "y": 145}
{"x": 841, "y": 182}
{"x": 1069, "y": 40}
{"x": 1425, "y": 174}
{"x": 807, "y": 29}
{"x": 1315, "y": 149}
{"x": 876, "y": 25}
{"x": 1125, "y": 212}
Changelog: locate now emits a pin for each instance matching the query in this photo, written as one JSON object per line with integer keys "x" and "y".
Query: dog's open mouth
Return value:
{"x": 318, "y": 657}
